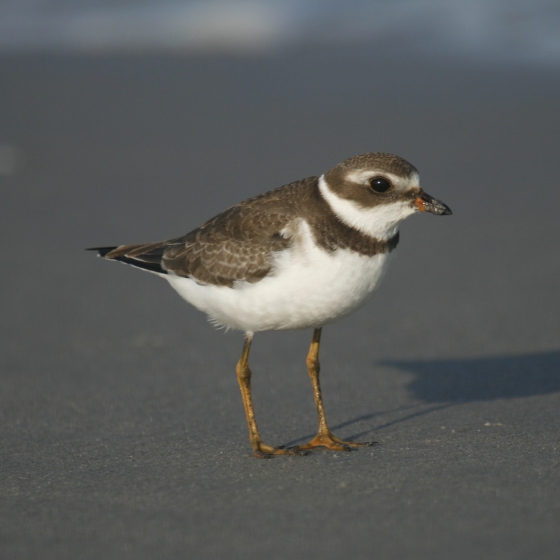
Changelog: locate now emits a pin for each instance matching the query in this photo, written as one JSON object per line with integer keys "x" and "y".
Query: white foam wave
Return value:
{"x": 514, "y": 29}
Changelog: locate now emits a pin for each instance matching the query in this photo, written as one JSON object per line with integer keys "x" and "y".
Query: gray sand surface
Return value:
{"x": 121, "y": 424}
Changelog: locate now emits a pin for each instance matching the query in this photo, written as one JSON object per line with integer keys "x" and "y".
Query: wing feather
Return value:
{"x": 239, "y": 244}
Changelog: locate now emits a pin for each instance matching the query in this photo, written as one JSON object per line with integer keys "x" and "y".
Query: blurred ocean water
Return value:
{"x": 515, "y": 30}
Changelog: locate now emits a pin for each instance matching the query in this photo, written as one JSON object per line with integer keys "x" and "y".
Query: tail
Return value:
{"x": 147, "y": 256}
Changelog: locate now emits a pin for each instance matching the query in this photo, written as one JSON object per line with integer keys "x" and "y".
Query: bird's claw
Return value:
{"x": 331, "y": 442}
{"x": 267, "y": 452}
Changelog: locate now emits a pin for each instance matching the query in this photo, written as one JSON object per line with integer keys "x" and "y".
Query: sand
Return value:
{"x": 122, "y": 428}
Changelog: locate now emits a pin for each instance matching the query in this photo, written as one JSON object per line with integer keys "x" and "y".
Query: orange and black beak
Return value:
{"x": 427, "y": 203}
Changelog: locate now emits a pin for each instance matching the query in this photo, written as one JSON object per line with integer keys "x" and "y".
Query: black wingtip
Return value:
{"x": 101, "y": 251}
{"x": 152, "y": 266}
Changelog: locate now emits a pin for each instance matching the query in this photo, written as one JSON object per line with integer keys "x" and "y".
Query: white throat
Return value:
{"x": 379, "y": 221}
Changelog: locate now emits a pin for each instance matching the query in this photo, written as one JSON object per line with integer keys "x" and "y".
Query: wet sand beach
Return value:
{"x": 122, "y": 427}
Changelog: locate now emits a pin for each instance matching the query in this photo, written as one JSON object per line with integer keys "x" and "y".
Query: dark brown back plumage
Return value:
{"x": 240, "y": 243}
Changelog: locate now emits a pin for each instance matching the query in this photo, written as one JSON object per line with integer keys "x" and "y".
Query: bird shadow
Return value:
{"x": 440, "y": 384}
{"x": 482, "y": 379}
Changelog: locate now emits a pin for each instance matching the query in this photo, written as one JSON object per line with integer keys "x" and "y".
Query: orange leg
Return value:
{"x": 324, "y": 437}
{"x": 260, "y": 449}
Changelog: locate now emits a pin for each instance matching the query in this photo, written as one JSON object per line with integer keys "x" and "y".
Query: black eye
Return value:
{"x": 378, "y": 184}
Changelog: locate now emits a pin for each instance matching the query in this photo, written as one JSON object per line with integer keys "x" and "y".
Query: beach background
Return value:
{"x": 121, "y": 424}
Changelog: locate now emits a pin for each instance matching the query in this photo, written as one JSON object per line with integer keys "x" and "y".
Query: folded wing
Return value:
{"x": 239, "y": 244}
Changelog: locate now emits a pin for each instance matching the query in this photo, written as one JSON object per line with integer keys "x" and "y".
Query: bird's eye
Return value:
{"x": 379, "y": 184}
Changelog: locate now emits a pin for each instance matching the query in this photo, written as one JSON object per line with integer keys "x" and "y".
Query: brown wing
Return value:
{"x": 238, "y": 244}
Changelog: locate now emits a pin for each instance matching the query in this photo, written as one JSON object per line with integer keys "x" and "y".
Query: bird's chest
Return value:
{"x": 307, "y": 287}
{"x": 344, "y": 273}
{"x": 316, "y": 287}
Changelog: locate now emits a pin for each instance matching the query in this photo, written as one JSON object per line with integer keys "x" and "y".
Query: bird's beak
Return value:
{"x": 427, "y": 203}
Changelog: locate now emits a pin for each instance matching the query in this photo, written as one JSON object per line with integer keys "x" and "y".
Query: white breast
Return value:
{"x": 308, "y": 287}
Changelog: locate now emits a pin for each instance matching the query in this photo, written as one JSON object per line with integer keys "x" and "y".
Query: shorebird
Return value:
{"x": 298, "y": 257}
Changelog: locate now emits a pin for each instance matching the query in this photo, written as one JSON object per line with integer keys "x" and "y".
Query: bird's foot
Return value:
{"x": 333, "y": 443}
{"x": 263, "y": 451}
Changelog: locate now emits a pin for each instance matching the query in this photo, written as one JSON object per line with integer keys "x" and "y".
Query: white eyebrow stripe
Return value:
{"x": 363, "y": 176}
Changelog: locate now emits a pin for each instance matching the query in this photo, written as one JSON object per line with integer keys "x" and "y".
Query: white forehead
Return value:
{"x": 364, "y": 176}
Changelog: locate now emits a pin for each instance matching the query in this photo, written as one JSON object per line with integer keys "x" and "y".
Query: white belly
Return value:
{"x": 308, "y": 288}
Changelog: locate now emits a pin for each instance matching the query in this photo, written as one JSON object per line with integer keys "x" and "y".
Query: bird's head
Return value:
{"x": 374, "y": 192}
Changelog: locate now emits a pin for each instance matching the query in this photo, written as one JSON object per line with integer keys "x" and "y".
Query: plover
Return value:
{"x": 298, "y": 257}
